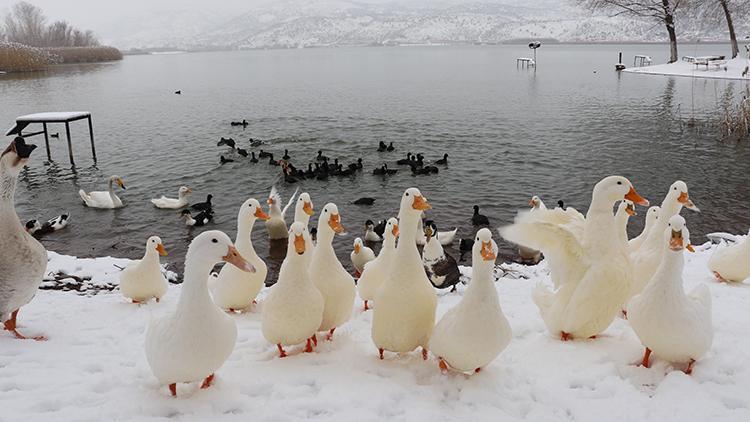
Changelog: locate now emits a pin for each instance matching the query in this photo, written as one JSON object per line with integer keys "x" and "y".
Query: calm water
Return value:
{"x": 510, "y": 133}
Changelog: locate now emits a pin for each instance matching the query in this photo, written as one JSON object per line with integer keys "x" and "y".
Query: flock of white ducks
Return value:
{"x": 595, "y": 271}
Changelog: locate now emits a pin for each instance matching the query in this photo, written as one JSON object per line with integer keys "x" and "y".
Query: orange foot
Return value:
{"x": 208, "y": 381}
{"x": 329, "y": 336}
{"x": 173, "y": 389}
{"x": 689, "y": 369}
{"x": 719, "y": 277}
{"x": 157, "y": 299}
{"x": 381, "y": 353}
{"x": 10, "y": 325}
{"x": 442, "y": 365}
{"x": 624, "y": 314}
{"x": 314, "y": 339}
{"x": 424, "y": 353}
{"x": 366, "y": 307}
{"x": 282, "y": 353}
{"x": 357, "y": 274}
{"x": 646, "y": 356}
{"x": 255, "y": 302}
{"x": 308, "y": 347}
{"x": 592, "y": 337}
{"x": 565, "y": 336}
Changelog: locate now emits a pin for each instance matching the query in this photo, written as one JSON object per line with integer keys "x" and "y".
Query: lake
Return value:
{"x": 511, "y": 133}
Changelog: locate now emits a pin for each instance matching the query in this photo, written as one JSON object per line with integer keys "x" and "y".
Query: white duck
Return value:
{"x": 405, "y": 315}
{"x": 234, "y": 289}
{"x": 588, "y": 261}
{"x": 303, "y": 210}
{"x": 142, "y": 280}
{"x": 276, "y": 223}
{"x": 651, "y": 216}
{"x": 536, "y": 203}
{"x": 471, "y": 334}
{"x": 170, "y": 203}
{"x": 377, "y": 270}
{"x": 104, "y": 199}
{"x": 673, "y": 325}
{"x": 532, "y": 256}
{"x": 360, "y": 256}
{"x": 293, "y": 310}
{"x": 647, "y": 258}
{"x": 625, "y": 210}
{"x": 192, "y": 342}
{"x": 329, "y": 276}
{"x": 370, "y": 235}
{"x": 23, "y": 259}
{"x": 732, "y": 263}
{"x": 445, "y": 238}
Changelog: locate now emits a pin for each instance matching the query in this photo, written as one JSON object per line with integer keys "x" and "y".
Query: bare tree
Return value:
{"x": 25, "y": 24}
{"x": 662, "y": 11}
{"x": 59, "y": 34}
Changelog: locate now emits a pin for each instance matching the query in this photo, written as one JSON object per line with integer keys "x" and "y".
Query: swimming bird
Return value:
{"x": 23, "y": 259}
{"x": 384, "y": 170}
{"x": 356, "y": 166}
{"x": 370, "y": 235}
{"x": 473, "y": 333}
{"x": 223, "y": 160}
{"x": 673, "y": 325}
{"x": 242, "y": 152}
{"x": 34, "y": 228}
{"x": 382, "y": 147}
{"x": 405, "y": 161}
{"x": 478, "y": 219}
{"x": 55, "y": 135}
{"x": 588, "y": 262}
{"x": 255, "y": 142}
{"x": 405, "y": 313}
{"x": 441, "y": 268}
{"x": 272, "y": 162}
{"x": 379, "y": 228}
{"x": 106, "y": 199}
{"x": 320, "y": 156}
{"x": 360, "y": 256}
{"x": 253, "y": 159}
{"x": 286, "y": 155}
{"x": 226, "y": 141}
{"x": 293, "y": 309}
{"x": 143, "y": 280}
{"x": 199, "y": 220}
{"x": 443, "y": 160}
{"x": 194, "y": 340}
{"x": 276, "y": 224}
{"x": 264, "y": 154}
{"x": 377, "y": 270}
{"x": 364, "y": 201}
{"x": 204, "y": 206}
{"x": 234, "y": 289}
{"x": 178, "y": 92}
{"x": 170, "y": 203}
{"x": 561, "y": 204}
{"x": 390, "y": 148}
{"x": 243, "y": 123}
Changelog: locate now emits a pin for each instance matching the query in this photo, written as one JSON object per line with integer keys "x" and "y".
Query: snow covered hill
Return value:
{"x": 298, "y": 23}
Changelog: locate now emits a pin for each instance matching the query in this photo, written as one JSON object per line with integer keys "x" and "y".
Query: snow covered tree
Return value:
{"x": 716, "y": 11}
{"x": 25, "y": 24}
{"x": 663, "y": 11}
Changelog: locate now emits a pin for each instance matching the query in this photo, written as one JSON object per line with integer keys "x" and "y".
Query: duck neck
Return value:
{"x": 195, "y": 285}
{"x": 621, "y": 219}
{"x": 150, "y": 256}
{"x": 669, "y": 272}
{"x": 599, "y": 222}
{"x": 325, "y": 235}
{"x": 390, "y": 241}
{"x": 408, "y": 250}
{"x": 7, "y": 192}
{"x": 300, "y": 216}
{"x": 481, "y": 285}
{"x": 244, "y": 242}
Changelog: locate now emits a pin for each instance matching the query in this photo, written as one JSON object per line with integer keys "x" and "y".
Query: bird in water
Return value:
{"x": 478, "y": 219}
{"x": 242, "y": 152}
{"x": 226, "y": 141}
{"x": 443, "y": 160}
{"x": 198, "y": 220}
{"x": 223, "y": 160}
{"x": 204, "y": 206}
{"x": 253, "y": 158}
{"x": 364, "y": 201}
{"x": 36, "y": 229}
{"x": 390, "y": 148}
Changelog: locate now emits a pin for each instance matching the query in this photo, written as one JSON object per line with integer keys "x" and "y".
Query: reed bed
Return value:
{"x": 16, "y": 57}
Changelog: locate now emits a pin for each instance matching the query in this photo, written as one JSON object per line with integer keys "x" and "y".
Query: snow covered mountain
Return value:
{"x": 309, "y": 23}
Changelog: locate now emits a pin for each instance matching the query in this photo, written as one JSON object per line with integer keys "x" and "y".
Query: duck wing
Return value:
{"x": 289, "y": 204}
{"x": 448, "y": 268}
{"x": 701, "y": 296}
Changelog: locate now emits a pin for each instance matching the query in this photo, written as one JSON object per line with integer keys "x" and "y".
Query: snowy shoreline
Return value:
{"x": 93, "y": 366}
{"x": 733, "y": 69}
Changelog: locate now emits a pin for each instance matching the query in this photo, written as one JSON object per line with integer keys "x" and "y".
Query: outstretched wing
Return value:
{"x": 289, "y": 204}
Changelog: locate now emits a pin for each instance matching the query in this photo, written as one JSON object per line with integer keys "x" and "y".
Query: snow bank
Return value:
{"x": 93, "y": 367}
{"x": 733, "y": 69}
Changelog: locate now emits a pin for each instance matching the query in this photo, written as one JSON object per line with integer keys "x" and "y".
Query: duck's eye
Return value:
{"x": 619, "y": 182}
{"x": 407, "y": 193}
{"x": 669, "y": 224}
{"x": 674, "y": 188}
{"x": 215, "y": 240}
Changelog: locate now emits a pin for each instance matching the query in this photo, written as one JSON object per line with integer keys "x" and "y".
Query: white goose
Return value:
{"x": 23, "y": 259}
{"x": 405, "y": 315}
{"x": 293, "y": 310}
{"x": 234, "y": 289}
{"x": 471, "y": 334}
{"x": 142, "y": 280}
{"x": 360, "y": 256}
{"x": 732, "y": 263}
{"x": 104, "y": 199}
{"x": 329, "y": 276}
{"x": 651, "y": 216}
{"x": 170, "y": 203}
{"x": 625, "y": 210}
{"x": 192, "y": 342}
{"x": 276, "y": 223}
{"x": 377, "y": 270}
{"x": 647, "y": 258}
{"x": 588, "y": 262}
{"x": 673, "y": 325}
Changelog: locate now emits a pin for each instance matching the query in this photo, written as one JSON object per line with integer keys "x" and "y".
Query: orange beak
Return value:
{"x": 233, "y": 257}
{"x": 356, "y": 248}
{"x": 420, "y": 203}
{"x": 270, "y": 201}
{"x": 161, "y": 250}
{"x": 308, "y": 208}
{"x": 532, "y": 204}
{"x": 633, "y": 197}
{"x": 395, "y": 230}
{"x": 299, "y": 244}
{"x": 690, "y": 247}
{"x": 629, "y": 209}
{"x": 260, "y": 214}
{"x": 335, "y": 223}
{"x": 487, "y": 253}
{"x": 684, "y": 199}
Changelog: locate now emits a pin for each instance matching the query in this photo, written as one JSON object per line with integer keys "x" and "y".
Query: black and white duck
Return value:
{"x": 442, "y": 269}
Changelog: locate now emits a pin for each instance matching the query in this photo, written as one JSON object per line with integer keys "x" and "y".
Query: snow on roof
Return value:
{"x": 53, "y": 116}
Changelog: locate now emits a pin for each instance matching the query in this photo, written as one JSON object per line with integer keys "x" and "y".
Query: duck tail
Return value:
{"x": 542, "y": 297}
{"x": 84, "y": 196}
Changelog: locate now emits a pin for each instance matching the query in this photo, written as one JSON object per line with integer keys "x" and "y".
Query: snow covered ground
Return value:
{"x": 93, "y": 367}
{"x": 733, "y": 69}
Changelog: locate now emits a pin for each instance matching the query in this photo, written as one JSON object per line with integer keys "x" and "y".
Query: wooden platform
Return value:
{"x": 65, "y": 117}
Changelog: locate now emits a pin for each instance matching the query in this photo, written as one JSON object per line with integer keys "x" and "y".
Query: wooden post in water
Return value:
{"x": 91, "y": 135}
{"x": 46, "y": 142}
{"x": 619, "y": 66}
{"x": 70, "y": 145}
